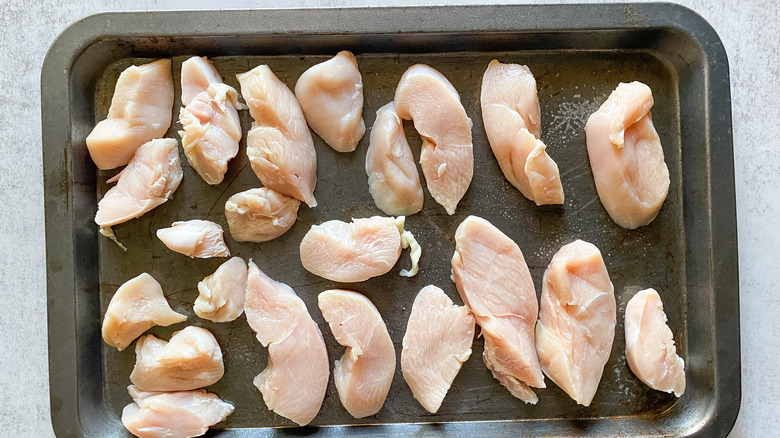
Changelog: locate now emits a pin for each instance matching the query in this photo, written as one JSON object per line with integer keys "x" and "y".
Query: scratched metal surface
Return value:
{"x": 572, "y": 84}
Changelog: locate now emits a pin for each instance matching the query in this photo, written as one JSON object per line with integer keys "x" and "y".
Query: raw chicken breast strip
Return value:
{"x": 195, "y": 238}
{"x": 141, "y": 110}
{"x": 192, "y": 359}
{"x": 331, "y": 97}
{"x": 364, "y": 373}
{"x": 650, "y": 349}
{"x": 137, "y": 306}
{"x": 511, "y": 115}
{"x": 221, "y": 294}
{"x": 393, "y": 180}
{"x": 293, "y": 385}
{"x": 494, "y": 282}
{"x": 147, "y": 182}
{"x": 356, "y": 251}
{"x": 437, "y": 342}
{"x": 626, "y": 156}
{"x": 260, "y": 215}
{"x": 279, "y": 145}
{"x": 211, "y": 127}
{"x": 173, "y": 414}
{"x": 447, "y": 158}
{"x": 577, "y": 320}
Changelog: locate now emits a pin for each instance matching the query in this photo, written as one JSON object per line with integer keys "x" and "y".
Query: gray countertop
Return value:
{"x": 749, "y": 31}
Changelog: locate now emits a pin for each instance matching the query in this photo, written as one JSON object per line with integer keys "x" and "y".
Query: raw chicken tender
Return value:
{"x": 364, "y": 373}
{"x": 179, "y": 414}
{"x": 148, "y": 181}
{"x": 577, "y": 320}
{"x": 331, "y": 97}
{"x": 393, "y": 180}
{"x": 494, "y": 282}
{"x": 437, "y": 341}
{"x": 511, "y": 115}
{"x": 293, "y": 385}
{"x": 260, "y": 215}
{"x": 141, "y": 110}
{"x": 211, "y": 127}
{"x": 626, "y": 156}
{"x": 650, "y": 349}
{"x": 195, "y": 238}
{"x": 192, "y": 359}
{"x": 221, "y": 294}
{"x": 279, "y": 145}
{"x": 356, "y": 251}
{"x": 137, "y": 306}
{"x": 447, "y": 158}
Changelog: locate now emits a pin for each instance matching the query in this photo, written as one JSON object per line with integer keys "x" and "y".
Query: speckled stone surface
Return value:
{"x": 749, "y": 31}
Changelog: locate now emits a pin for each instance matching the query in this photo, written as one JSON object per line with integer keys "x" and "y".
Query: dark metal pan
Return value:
{"x": 578, "y": 54}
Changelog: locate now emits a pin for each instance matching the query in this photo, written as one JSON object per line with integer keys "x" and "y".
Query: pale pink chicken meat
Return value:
{"x": 180, "y": 414}
{"x": 192, "y": 359}
{"x": 426, "y": 97}
{"x": 437, "y": 342}
{"x": 512, "y": 119}
{"x": 577, "y": 320}
{"x": 393, "y": 180}
{"x": 494, "y": 282}
{"x": 195, "y": 238}
{"x": 294, "y": 383}
{"x": 260, "y": 215}
{"x": 210, "y": 123}
{"x": 364, "y": 373}
{"x": 279, "y": 145}
{"x": 650, "y": 350}
{"x": 138, "y": 305}
{"x": 331, "y": 97}
{"x": 221, "y": 294}
{"x": 356, "y": 251}
{"x": 147, "y": 182}
{"x": 141, "y": 110}
{"x": 626, "y": 156}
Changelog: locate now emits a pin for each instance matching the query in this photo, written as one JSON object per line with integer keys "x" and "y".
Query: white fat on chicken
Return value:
{"x": 138, "y": 305}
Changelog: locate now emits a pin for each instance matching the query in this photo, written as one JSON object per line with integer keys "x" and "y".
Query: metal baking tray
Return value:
{"x": 578, "y": 54}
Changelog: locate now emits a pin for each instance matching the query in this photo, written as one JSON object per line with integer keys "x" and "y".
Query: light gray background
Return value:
{"x": 750, "y": 32}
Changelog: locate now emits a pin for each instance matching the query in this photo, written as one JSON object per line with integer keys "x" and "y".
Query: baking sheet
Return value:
{"x": 575, "y": 71}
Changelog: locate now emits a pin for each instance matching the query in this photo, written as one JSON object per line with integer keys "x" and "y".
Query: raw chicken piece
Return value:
{"x": 181, "y": 414}
{"x": 192, "y": 359}
{"x": 141, "y": 110}
{"x": 279, "y": 145}
{"x": 511, "y": 115}
{"x": 221, "y": 294}
{"x": 577, "y": 320}
{"x": 195, "y": 238}
{"x": 447, "y": 158}
{"x": 293, "y": 385}
{"x": 437, "y": 341}
{"x": 364, "y": 373}
{"x": 626, "y": 156}
{"x": 331, "y": 97}
{"x": 356, "y": 251}
{"x": 137, "y": 306}
{"x": 392, "y": 175}
{"x": 148, "y": 181}
{"x": 650, "y": 349}
{"x": 494, "y": 282}
{"x": 260, "y": 215}
{"x": 209, "y": 118}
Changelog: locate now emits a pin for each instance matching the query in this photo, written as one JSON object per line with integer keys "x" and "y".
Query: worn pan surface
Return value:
{"x": 578, "y": 55}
